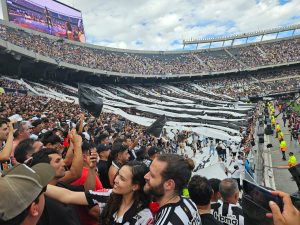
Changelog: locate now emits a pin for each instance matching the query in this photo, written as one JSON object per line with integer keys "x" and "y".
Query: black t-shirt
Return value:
{"x": 57, "y": 213}
{"x": 103, "y": 168}
{"x": 208, "y": 219}
{"x": 219, "y": 149}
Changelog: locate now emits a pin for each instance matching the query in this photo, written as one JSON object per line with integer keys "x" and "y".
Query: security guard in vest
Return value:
{"x": 280, "y": 136}
{"x": 273, "y": 121}
{"x": 292, "y": 160}
{"x": 283, "y": 148}
{"x": 277, "y": 129}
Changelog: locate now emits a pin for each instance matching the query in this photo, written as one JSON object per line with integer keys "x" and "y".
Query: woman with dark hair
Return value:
{"x": 126, "y": 203}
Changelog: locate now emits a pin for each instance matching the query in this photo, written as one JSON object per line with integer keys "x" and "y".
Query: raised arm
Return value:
{"x": 90, "y": 182}
{"x": 66, "y": 196}
{"x": 90, "y": 198}
{"x": 81, "y": 123}
{"x": 77, "y": 164}
{"x": 70, "y": 154}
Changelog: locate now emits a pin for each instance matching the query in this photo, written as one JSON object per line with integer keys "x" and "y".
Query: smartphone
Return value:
{"x": 261, "y": 196}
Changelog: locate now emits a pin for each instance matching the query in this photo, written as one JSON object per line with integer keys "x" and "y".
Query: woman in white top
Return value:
{"x": 126, "y": 203}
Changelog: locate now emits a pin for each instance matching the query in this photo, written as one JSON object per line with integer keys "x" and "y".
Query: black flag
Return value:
{"x": 89, "y": 100}
{"x": 155, "y": 128}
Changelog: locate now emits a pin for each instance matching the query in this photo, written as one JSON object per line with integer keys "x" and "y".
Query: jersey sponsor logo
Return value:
{"x": 229, "y": 219}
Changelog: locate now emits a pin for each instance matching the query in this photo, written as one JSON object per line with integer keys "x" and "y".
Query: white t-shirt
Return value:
{"x": 241, "y": 165}
{"x": 234, "y": 148}
{"x": 34, "y": 137}
{"x": 235, "y": 174}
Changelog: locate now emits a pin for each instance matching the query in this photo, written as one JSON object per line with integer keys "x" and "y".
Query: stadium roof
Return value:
{"x": 261, "y": 33}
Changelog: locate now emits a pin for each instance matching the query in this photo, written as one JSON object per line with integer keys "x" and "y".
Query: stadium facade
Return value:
{"x": 37, "y": 61}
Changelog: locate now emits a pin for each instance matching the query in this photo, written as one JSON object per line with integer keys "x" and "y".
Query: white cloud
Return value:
{"x": 155, "y": 25}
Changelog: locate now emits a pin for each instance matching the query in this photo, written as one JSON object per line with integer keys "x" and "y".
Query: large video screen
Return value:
{"x": 47, "y": 16}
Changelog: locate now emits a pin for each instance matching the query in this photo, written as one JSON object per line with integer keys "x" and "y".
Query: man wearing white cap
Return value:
{"x": 22, "y": 193}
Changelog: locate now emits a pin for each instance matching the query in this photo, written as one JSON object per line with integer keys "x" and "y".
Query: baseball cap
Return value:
{"x": 20, "y": 186}
{"x": 141, "y": 152}
{"x": 86, "y": 136}
{"x": 153, "y": 150}
{"x": 118, "y": 147}
{"x": 36, "y": 122}
{"x": 102, "y": 148}
{"x": 101, "y": 137}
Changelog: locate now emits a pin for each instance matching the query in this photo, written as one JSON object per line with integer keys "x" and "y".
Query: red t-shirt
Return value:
{"x": 83, "y": 177}
{"x": 85, "y": 218}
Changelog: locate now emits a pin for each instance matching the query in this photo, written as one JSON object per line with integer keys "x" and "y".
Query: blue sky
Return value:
{"x": 163, "y": 24}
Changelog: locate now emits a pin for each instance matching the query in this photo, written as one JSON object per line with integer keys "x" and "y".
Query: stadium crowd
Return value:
{"x": 259, "y": 83}
{"x": 61, "y": 144}
{"x": 237, "y": 58}
{"x": 12, "y": 85}
{"x": 116, "y": 171}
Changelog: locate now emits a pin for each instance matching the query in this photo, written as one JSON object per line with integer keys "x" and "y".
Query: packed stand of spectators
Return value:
{"x": 219, "y": 60}
{"x": 10, "y": 84}
{"x": 263, "y": 82}
{"x": 277, "y": 74}
{"x": 151, "y": 64}
{"x": 60, "y": 88}
{"x": 251, "y": 56}
{"x": 270, "y": 53}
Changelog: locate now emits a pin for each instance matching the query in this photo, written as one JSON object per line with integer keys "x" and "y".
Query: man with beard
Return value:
{"x": 168, "y": 175}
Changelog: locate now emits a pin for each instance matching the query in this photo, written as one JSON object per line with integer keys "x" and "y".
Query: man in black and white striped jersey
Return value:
{"x": 227, "y": 210}
{"x": 168, "y": 175}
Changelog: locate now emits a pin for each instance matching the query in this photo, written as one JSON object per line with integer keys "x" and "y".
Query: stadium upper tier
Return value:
{"x": 130, "y": 62}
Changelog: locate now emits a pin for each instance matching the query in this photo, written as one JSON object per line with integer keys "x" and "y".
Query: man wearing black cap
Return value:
{"x": 153, "y": 152}
{"x": 102, "y": 139}
{"x": 119, "y": 156}
{"x": 22, "y": 193}
{"x": 51, "y": 140}
{"x": 103, "y": 151}
{"x": 37, "y": 126}
{"x": 142, "y": 156}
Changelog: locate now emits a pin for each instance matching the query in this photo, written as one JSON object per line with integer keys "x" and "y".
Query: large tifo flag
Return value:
{"x": 89, "y": 100}
{"x": 155, "y": 128}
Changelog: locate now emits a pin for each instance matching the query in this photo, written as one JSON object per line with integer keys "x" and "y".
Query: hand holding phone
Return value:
{"x": 93, "y": 158}
{"x": 289, "y": 216}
